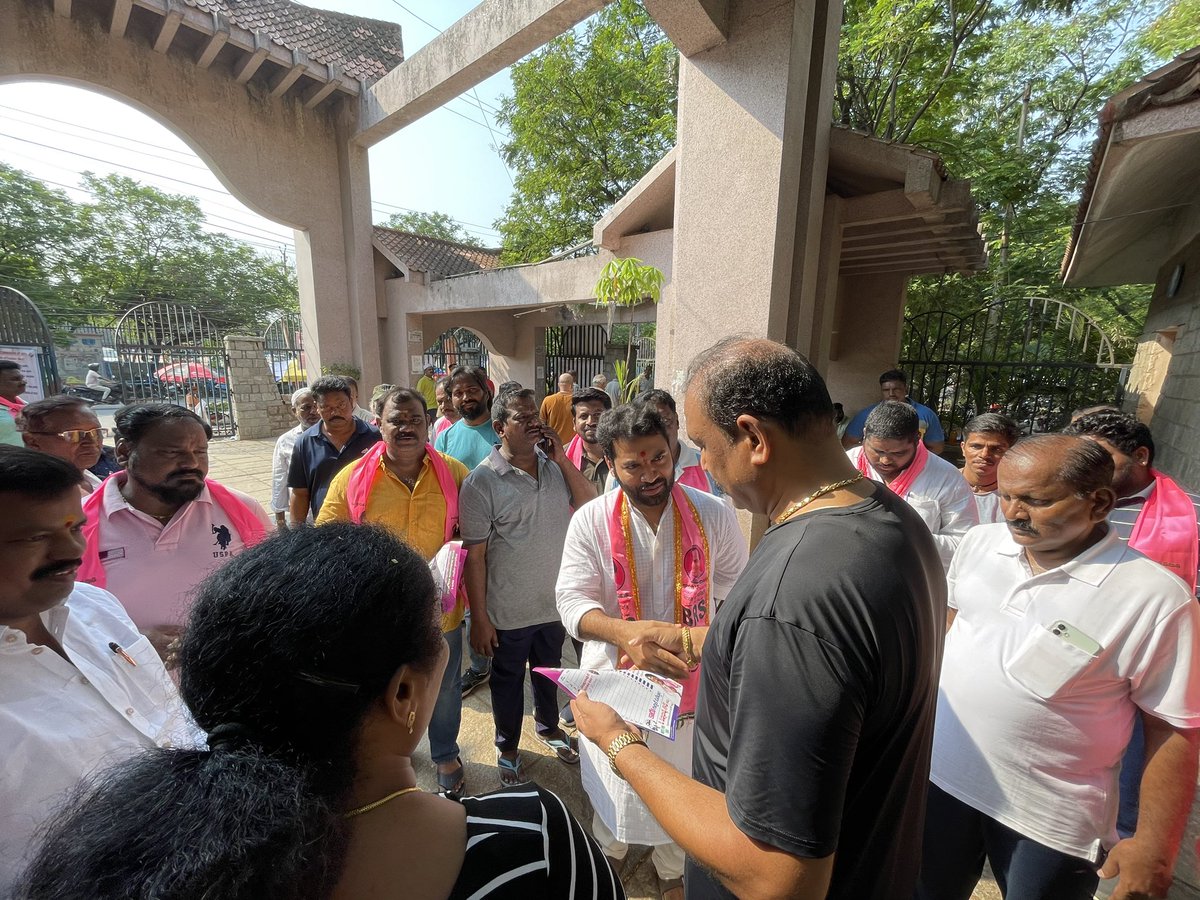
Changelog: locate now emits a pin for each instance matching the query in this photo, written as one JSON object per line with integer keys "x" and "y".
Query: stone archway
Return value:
{"x": 281, "y": 154}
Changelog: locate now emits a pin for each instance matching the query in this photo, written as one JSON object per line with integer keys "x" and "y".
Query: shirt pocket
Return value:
{"x": 1046, "y": 665}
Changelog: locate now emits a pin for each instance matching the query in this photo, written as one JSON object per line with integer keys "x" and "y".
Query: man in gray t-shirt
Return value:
{"x": 514, "y": 509}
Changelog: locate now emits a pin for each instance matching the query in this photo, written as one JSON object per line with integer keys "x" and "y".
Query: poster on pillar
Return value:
{"x": 417, "y": 364}
{"x": 27, "y": 359}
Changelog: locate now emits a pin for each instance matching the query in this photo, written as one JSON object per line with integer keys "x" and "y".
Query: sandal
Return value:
{"x": 562, "y": 745}
{"x": 452, "y": 783}
{"x": 512, "y": 772}
{"x": 670, "y": 888}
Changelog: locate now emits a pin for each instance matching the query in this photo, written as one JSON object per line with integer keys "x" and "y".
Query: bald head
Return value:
{"x": 753, "y": 376}
{"x": 1079, "y": 464}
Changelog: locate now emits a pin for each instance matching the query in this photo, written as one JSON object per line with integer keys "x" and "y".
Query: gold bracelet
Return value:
{"x": 689, "y": 650}
{"x": 619, "y": 743}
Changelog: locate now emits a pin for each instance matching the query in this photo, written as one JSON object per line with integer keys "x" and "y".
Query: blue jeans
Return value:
{"x": 1132, "y": 766}
{"x": 447, "y": 710}
{"x": 958, "y": 837}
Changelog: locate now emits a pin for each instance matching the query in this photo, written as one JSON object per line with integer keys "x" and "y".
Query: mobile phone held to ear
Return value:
{"x": 546, "y": 445}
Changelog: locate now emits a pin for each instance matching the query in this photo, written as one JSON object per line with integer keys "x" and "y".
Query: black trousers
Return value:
{"x": 537, "y": 645}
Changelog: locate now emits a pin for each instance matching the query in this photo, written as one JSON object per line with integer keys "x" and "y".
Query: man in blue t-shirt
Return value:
{"x": 893, "y": 384}
{"x": 471, "y": 438}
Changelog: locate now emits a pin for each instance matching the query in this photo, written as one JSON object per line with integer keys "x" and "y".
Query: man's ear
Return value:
{"x": 754, "y": 431}
{"x": 123, "y": 450}
{"x": 1103, "y": 501}
{"x": 1141, "y": 456}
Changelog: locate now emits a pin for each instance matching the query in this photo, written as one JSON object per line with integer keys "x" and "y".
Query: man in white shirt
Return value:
{"x": 892, "y": 453}
{"x": 986, "y": 438}
{"x": 93, "y": 381}
{"x": 688, "y": 470}
{"x": 1060, "y": 636}
{"x": 653, "y": 556}
{"x": 304, "y": 408}
{"x": 80, "y": 689}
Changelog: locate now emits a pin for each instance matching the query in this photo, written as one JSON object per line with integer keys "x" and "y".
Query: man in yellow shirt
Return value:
{"x": 412, "y": 491}
{"x": 427, "y": 388}
{"x": 556, "y": 408}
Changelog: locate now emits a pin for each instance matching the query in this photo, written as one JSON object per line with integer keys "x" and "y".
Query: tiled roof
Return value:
{"x": 434, "y": 256}
{"x": 362, "y": 48}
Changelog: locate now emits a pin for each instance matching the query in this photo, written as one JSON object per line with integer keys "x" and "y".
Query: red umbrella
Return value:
{"x": 181, "y": 372}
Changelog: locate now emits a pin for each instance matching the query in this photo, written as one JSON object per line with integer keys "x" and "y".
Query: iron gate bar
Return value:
{"x": 574, "y": 348}
{"x": 23, "y": 325}
{"x": 283, "y": 344}
{"x": 456, "y": 347}
{"x": 168, "y": 352}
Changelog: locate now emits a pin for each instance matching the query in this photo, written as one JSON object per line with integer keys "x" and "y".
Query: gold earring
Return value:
{"x": 412, "y": 718}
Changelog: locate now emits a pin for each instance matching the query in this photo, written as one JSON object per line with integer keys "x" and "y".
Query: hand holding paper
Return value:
{"x": 642, "y": 698}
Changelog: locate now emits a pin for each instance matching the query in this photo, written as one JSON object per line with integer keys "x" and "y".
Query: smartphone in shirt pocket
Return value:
{"x": 1051, "y": 657}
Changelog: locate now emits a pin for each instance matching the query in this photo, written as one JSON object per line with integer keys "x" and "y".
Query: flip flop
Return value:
{"x": 512, "y": 772}
{"x": 453, "y": 782}
{"x": 561, "y": 744}
{"x": 670, "y": 888}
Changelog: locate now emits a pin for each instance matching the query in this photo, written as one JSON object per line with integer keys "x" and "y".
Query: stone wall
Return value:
{"x": 1164, "y": 383}
{"x": 258, "y": 408}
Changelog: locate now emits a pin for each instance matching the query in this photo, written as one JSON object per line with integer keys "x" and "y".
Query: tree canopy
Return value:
{"x": 128, "y": 244}
{"x": 432, "y": 224}
{"x": 590, "y": 113}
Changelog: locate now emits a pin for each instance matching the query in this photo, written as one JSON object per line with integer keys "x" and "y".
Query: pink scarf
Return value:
{"x": 691, "y": 573}
{"x": 575, "y": 452}
{"x": 695, "y": 477}
{"x": 903, "y": 482}
{"x": 13, "y": 406}
{"x": 362, "y": 479}
{"x": 242, "y": 517}
{"x": 1166, "y": 530}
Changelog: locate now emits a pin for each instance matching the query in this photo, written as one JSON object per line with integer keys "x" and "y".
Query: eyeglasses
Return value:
{"x": 75, "y": 436}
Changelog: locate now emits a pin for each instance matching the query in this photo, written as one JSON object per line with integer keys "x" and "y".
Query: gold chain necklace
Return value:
{"x": 824, "y": 489}
{"x": 379, "y": 803}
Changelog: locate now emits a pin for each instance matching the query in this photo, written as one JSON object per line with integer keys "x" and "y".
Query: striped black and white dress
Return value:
{"x": 522, "y": 842}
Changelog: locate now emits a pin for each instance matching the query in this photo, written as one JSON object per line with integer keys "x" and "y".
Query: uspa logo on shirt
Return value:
{"x": 224, "y": 539}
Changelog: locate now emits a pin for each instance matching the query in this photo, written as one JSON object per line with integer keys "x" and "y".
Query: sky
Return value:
{"x": 446, "y": 161}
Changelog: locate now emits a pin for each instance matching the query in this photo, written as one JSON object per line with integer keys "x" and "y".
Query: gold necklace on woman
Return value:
{"x": 824, "y": 489}
{"x": 378, "y": 803}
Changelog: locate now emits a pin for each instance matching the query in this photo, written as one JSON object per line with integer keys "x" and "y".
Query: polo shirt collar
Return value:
{"x": 1091, "y": 566}
{"x": 360, "y": 427}
{"x": 502, "y": 466}
{"x": 112, "y": 502}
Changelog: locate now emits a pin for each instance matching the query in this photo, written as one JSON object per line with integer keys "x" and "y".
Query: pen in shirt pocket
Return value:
{"x": 119, "y": 650}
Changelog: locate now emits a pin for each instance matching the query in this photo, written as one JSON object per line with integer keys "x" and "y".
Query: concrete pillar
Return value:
{"x": 258, "y": 408}
{"x": 869, "y": 325}
{"x": 753, "y": 157}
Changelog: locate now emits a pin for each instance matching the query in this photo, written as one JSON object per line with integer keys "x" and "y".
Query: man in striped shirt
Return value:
{"x": 1156, "y": 516}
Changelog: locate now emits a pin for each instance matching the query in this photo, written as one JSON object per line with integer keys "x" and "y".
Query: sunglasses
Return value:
{"x": 76, "y": 436}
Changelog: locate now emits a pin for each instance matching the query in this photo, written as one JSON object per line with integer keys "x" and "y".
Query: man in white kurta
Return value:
{"x": 892, "y": 448}
{"x": 644, "y": 468}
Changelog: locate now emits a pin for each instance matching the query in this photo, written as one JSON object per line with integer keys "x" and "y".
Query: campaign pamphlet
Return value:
{"x": 447, "y": 568}
{"x": 641, "y": 698}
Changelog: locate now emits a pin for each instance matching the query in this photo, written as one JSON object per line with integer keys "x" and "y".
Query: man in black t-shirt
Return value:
{"x": 819, "y": 672}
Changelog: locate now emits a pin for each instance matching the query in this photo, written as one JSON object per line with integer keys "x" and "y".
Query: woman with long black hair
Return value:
{"x": 313, "y": 661}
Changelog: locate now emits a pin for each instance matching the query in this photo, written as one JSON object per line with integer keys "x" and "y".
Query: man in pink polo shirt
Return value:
{"x": 158, "y": 528}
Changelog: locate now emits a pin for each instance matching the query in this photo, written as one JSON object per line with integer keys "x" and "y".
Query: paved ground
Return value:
{"x": 246, "y": 465}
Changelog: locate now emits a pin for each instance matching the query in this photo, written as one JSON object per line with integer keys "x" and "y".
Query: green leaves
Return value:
{"x": 434, "y": 225}
{"x": 591, "y": 112}
{"x": 131, "y": 243}
{"x": 628, "y": 282}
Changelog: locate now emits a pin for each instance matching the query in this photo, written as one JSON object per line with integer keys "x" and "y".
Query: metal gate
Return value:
{"x": 25, "y": 338}
{"x": 574, "y": 348}
{"x": 456, "y": 347}
{"x": 283, "y": 342}
{"x": 1033, "y": 359}
{"x": 169, "y": 352}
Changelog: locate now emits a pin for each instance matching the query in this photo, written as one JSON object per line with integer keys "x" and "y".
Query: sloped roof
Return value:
{"x": 433, "y": 256}
{"x": 362, "y": 48}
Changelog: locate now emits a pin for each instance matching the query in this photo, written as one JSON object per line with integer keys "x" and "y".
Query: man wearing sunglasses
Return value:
{"x": 67, "y": 428}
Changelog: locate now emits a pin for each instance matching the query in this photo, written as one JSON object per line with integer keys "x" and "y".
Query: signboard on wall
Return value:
{"x": 27, "y": 359}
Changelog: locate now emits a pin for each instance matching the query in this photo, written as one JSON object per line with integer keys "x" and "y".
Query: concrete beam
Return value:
{"x": 62, "y": 8}
{"x": 215, "y": 42}
{"x": 120, "y": 17}
{"x": 492, "y": 36}
{"x": 288, "y": 77}
{"x": 692, "y": 25}
{"x": 168, "y": 29}
{"x": 318, "y": 94}
{"x": 657, "y": 185}
{"x": 245, "y": 70}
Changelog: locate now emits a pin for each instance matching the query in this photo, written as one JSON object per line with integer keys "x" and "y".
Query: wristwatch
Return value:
{"x": 620, "y": 742}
